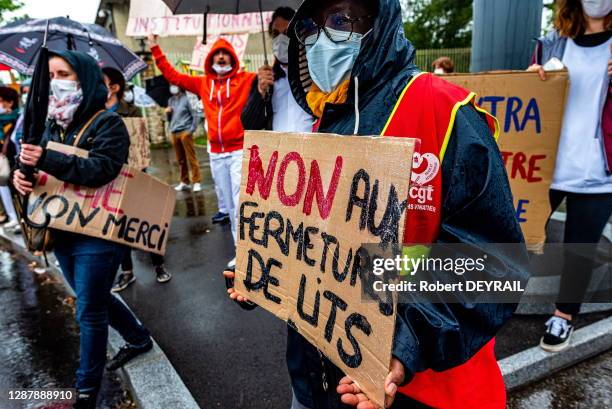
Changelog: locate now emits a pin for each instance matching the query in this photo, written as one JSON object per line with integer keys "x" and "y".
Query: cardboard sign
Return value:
{"x": 200, "y": 51}
{"x": 113, "y": 212}
{"x": 309, "y": 202}
{"x": 140, "y": 152}
{"x": 530, "y": 114}
{"x": 153, "y": 16}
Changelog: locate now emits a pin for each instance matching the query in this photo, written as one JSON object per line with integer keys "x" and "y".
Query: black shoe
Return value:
{"x": 220, "y": 218}
{"x": 123, "y": 281}
{"x": 558, "y": 334}
{"x": 162, "y": 275}
{"x": 85, "y": 401}
{"x": 126, "y": 354}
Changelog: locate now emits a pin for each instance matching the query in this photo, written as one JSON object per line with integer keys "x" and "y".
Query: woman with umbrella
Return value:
{"x": 77, "y": 116}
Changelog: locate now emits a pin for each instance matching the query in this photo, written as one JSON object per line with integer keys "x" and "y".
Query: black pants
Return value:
{"x": 127, "y": 265}
{"x": 587, "y": 216}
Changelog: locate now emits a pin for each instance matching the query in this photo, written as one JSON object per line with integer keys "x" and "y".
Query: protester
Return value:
{"x": 348, "y": 63}
{"x": 583, "y": 174}
{"x": 9, "y": 115}
{"x": 271, "y": 104}
{"x": 183, "y": 123}
{"x": 224, "y": 91}
{"x": 115, "y": 102}
{"x": 77, "y": 116}
{"x": 443, "y": 65}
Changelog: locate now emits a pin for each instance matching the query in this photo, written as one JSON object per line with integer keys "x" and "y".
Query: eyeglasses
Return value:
{"x": 338, "y": 27}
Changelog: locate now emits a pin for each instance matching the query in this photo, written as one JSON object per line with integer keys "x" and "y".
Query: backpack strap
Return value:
{"x": 77, "y": 139}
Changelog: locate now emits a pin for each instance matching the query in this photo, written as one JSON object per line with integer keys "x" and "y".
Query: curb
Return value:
{"x": 534, "y": 364}
{"x": 151, "y": 378}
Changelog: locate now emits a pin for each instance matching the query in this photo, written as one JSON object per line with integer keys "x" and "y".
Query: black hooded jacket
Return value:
{"x": 106, "y": 139}
{"x": 477, "y": 208}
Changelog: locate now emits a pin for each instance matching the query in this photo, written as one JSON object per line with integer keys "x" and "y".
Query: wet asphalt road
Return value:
{"x": 39, "y": 340}
{"x": 584, "y": 386}
{"x": 227, "y": 357}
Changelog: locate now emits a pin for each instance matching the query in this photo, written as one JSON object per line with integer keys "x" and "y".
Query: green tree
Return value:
{"x": 7, "y": 6}
{"x": 438, "y": 23}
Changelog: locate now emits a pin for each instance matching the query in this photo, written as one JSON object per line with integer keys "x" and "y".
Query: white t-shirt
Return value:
{"x": 581, "y": 162}
{"x": 288, "y": 114}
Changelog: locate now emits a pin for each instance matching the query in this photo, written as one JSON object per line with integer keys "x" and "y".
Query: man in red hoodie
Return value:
{"x": 224, "y": 91}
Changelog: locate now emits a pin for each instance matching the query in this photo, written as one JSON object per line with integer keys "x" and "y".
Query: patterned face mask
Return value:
{"x": 64, "y": 101}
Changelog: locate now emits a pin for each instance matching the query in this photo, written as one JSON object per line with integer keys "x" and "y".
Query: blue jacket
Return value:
{"x": 475, "y": 210}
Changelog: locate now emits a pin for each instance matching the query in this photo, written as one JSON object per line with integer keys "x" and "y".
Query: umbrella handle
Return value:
{"x": 205, "y": 25}
{"x": 263, "y": 34}
{"x": 30, "y": 222}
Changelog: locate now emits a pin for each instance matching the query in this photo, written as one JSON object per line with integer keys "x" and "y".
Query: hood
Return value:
{"x": 221, "y": 44}
{"x": 386, "y": 57}
{"x": 92, "y": 84}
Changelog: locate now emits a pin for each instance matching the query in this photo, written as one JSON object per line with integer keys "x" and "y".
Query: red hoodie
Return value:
{"x": 223, "y": 97}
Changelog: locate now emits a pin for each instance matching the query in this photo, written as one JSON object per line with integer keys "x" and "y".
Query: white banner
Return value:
{"x": 200, "y": 51}
{"x": 153, "y": 16}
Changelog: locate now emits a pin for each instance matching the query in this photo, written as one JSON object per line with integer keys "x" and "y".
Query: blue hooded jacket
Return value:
{"x": 477, "y": 208}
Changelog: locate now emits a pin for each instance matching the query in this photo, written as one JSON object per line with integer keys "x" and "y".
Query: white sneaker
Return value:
{"x": 232, "y": 263}
{"x": 196, "y": 187}
{"x": 11, "y": 224}
{"x": 181, "y": 187}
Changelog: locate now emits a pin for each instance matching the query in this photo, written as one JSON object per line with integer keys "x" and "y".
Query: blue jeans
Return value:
{"x": 89, "y": 265}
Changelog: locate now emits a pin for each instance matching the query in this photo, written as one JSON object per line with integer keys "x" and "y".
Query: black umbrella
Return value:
{"x": 230, "y": 7}
{"x": 34, "y": 119}
{"x": 20, "y": 43}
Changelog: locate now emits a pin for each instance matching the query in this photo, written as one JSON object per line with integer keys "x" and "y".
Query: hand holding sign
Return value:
{"x": 351, "y": 393}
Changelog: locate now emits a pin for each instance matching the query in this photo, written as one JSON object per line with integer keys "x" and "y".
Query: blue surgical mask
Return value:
{"x": 331, "y": 63}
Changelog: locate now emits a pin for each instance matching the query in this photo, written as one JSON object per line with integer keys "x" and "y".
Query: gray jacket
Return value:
{"x": 553, "y": 45}
{"x": 182, "y": 117}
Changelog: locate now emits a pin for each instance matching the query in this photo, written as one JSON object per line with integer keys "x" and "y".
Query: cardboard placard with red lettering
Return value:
{"x": 113, "y": 212}
{"x": 308, "y": 204}
{"x": 140, "y": 151}
{"x": 530, "y": 114}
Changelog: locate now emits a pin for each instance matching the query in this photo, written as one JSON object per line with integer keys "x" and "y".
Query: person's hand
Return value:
{"x": 152, "y": 39}
{"x": 22, "y": 185}
{"x": 168, "y": 110}
{"x": 30, "y": 154}
{"x": 610, "y": 64}
{"x": 540, "y": 70}
{"x": 265, "y": 78}
{"x": 233, "y": 294}
{"x": 351, "y": 394}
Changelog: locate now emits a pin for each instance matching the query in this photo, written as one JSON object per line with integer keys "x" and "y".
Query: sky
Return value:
{"x": 79, "y": 10}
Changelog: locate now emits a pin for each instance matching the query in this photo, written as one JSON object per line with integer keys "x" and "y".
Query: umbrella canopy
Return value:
{"x": 21, "y": 41}
{"x": 227, "y": 6}
{"x": 141, "y": 98}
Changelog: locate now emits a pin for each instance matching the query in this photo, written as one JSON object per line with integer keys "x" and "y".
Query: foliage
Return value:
{"x": 8, "y": 5}
{"x": 438, "y": 23}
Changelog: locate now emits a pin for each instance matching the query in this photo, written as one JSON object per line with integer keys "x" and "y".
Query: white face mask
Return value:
{"x": 222, "y": 69}
{"x": 64, "y": 88}
{"x": 2, "y": 109}
{"x": 128, "y": 97}
{"x": 24, "y": 99}
{"x": 439, "y": 71}
{"x": 597, "y": 8}
{"x": 280, "y": 48}
{"x": 174, "y": 89}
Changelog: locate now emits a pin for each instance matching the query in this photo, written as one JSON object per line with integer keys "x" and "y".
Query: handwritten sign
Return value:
{"x": 113, "y": 212}
{"x": 140, "y": 151}
{"x": 200, "y": 51}
{"x": 530, "y": 114}
{"x": 153, "y": 16}
{"x": 309, "y": 203}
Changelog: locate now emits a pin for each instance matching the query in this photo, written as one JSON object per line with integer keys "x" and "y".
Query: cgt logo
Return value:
{"x": 425, "y": 168}
{"x": 25, "y": 43}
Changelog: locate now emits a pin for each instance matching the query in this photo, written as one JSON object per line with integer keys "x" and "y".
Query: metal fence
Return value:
{"x": 460, "y": 56}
